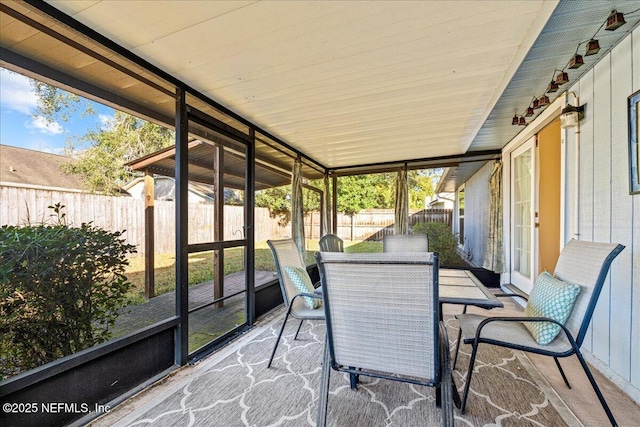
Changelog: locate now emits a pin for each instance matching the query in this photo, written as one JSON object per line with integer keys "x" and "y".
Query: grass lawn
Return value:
{"x": 201, "y": 265}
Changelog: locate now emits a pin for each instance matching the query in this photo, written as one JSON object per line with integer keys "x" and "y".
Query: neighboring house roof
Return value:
{"x": 445, "y": 199}
{"x": 36, "y": 169}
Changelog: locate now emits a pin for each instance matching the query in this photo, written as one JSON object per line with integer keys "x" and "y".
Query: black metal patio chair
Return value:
{"x": 298, "y": 300}
{"x": 581, "y": 263}
{"x": 331, "y": 243}
{"x": 383, "y": 331}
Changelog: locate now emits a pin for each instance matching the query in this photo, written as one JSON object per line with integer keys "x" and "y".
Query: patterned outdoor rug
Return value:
{"x": 235, "y": 388}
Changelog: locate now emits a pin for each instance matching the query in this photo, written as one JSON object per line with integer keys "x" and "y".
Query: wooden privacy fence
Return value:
{"x": 374, "y": 224}
{"x": 19, "y": 206}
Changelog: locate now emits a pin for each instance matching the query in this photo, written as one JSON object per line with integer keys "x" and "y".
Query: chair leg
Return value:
{"x": 299, "y": 326}
{"x": 455, "y": 358}
{"x": 564, "y": 377}
{"x": 353, "y": 380}
{"x": 446, "y": 400}
{"x": 446, "y": 384}
{"x": 323, "y": 396}
{"x": 592, "y": 380}
{"x": 275, "y": 347}
{"x": 469, "y": 373}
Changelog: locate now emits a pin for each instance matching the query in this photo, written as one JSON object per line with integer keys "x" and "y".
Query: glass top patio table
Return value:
{"x": 462, "y": 287}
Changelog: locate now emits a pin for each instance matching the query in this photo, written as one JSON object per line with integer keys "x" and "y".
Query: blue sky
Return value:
{"x": 19, "y": 127}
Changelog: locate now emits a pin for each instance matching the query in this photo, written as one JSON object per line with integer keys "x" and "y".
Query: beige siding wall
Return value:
{"x": 606, "y": 210}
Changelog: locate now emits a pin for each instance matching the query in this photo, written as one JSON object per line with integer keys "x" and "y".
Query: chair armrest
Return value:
{"x": 305, "y": 294}
{"x": 511, "y": 295}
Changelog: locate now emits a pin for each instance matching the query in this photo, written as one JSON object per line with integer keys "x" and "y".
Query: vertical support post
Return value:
{"x": 325, "y": 204}
{"x": 322, "y": 224}
{"x": 149, "y": 236}
{"x": 334, "y": 204}
{"x": 182, "y": 228}
{"x": 249, "y": 230}
{"x": 353, "y": 226}
{"x": 218, "y": 227}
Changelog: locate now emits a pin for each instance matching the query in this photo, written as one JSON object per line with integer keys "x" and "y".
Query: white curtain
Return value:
{"x": 401, "y": 225}
{"x": 494, "y": 255}
{"x": 297, "y": 213}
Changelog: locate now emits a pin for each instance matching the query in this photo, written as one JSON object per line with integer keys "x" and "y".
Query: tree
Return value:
{"x": 379, "y": 190}
{"x": 278, "y": 201}
{"x": 358, "y": 192}
{"x": 101, "y": 153}
{"x": 355, "y": 193}
{"x": 125, "y": 138}
{"x": 56, "y": 104}
{"x": 421, "y": 185}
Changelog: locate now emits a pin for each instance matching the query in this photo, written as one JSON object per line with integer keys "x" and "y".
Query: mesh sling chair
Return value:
{"x": 582, "y": 263}
{"x": 405, "y": 243}
{"x": 382, "y": 321}
{"x": 331, "y": 243}
{"x": 285, "y": 253}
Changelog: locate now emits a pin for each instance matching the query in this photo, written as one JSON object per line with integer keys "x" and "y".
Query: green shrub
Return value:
{"x": 61, "y": 288}
{"x": 441, "y": 240}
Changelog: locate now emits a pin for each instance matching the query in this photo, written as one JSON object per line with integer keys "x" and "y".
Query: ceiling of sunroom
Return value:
{"x": 346, "y": 82}
{"x": 355, "y": 82}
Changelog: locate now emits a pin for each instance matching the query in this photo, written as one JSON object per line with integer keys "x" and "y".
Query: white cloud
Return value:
{"x": 107, "y": 121}
{"x": 16, "y": 93}
{"x": 44, "y": 126}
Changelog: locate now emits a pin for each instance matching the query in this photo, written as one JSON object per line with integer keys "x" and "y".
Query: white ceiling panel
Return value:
{"x": 355, "y": 82}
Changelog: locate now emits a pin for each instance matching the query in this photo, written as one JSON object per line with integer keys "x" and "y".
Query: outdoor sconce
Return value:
{"x": 571, "y": 116}
{"x": 615, "y": 20}
{"x": 562, "y": 78}
{"x": 536, "y": 104}
{"x": 544, "y": 101}
{"x": 523, "y": 121}
{"x": 576, "y": 61}
{"x": 553, "y": 87}
{"x": 514, "y": 121}
{"x": 593, "y": 47}
{"x": 529, "y": 112}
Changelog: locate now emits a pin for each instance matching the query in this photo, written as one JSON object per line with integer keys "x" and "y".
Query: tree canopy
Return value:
{"x": 355, "y": 193}
{"x": 124, "y": 139}
{"x": 102, "y": 152}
